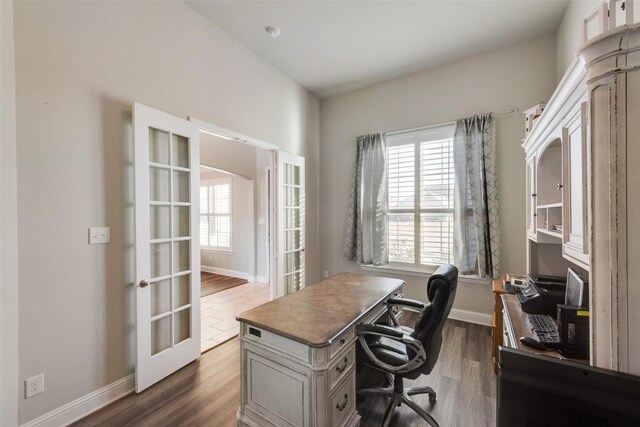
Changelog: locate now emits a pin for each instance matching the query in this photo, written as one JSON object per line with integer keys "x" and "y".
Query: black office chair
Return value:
{"x": 402, "y": 352}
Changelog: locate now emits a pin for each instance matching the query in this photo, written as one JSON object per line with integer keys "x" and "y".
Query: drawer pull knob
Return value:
{"x": 342, "y": 341}
{"x": 341, "y": 369}
{"x": 340, "y": 406}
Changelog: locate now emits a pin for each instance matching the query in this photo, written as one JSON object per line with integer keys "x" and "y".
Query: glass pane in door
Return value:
{"x": 181, "y": 187}
{"x": 292, "y": 282}
{"x": 158, "y": 184}
{"x": 182, "y": 325}
{"x": 182, "y": 291}
{"x": 181, "y": 258}
{"x": 160, "y": 223}
{"x": 158, "y": 146}
{"x": 181, "y": 221}
{"x": 160, "y": 297}
{"x": 180, "y": 146}
{"x": 160, "y": 335}
{"x": 160, "y": 258}
{"x": 291, "y": 240}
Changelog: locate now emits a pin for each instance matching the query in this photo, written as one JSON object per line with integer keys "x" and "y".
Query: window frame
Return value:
{"x": 416, "y": 138}
{"x": 209, "y": 183}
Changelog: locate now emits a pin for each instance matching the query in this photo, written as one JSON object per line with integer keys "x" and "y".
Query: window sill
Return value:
{"x": 422, "y": 273}
{"x": 217, "y": 250}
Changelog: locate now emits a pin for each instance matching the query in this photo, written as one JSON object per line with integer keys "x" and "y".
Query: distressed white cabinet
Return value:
{"x": 557, "y": 226}
{"x": 531, "y": 198}
{"x": 575, "y": 169}
{"x": 596, "y": 110}
{"x": 613, "y": 73}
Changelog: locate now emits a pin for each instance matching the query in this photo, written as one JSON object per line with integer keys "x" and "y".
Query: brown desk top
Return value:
{"x": 516, "y": 317}
{"x": 319, "y": 313}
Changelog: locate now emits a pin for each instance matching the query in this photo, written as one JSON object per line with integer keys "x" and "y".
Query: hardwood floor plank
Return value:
{"x": 207, "y": 392}
{"x": 211, "y": 283}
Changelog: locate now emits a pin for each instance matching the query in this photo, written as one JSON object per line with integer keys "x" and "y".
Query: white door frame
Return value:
{"x": 218, "y": 131}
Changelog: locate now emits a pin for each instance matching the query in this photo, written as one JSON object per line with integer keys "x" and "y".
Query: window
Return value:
{"x": 215, "y": 214}
{"x": 420, "y": 192}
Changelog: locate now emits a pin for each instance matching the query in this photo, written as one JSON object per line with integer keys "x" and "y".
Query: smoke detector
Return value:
{"x": 273, "y": 31}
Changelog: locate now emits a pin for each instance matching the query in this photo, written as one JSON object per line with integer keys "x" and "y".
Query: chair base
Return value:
{"x": 398, "y": 396}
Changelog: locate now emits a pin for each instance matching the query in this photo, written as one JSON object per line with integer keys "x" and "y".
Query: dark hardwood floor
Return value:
{"x": 463, "y": 379}
{"x": 207, "y": 392}
{"x": 211, "y": 283}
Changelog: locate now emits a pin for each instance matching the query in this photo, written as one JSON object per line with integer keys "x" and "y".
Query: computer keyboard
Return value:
{"x": 545, "y": 329}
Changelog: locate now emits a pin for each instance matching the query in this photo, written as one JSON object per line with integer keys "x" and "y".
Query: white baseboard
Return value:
{"x": 262, "y": 279}
{"x": 225, "y": 272}
{"x": 85, "y": 405}
{"x": 470, "y": 316}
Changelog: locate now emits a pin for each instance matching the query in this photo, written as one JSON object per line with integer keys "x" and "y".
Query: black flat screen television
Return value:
{"x": 536, "y": 390}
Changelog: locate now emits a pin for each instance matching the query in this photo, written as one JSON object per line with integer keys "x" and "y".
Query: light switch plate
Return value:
{"x": 99, "y": 235}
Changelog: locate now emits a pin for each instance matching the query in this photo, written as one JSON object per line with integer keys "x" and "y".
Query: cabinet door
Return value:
{"x": 575, "y": 242}
{"x": 531, "y": 198}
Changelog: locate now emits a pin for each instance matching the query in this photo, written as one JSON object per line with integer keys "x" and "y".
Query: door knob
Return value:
{"x": 144, "y": 283}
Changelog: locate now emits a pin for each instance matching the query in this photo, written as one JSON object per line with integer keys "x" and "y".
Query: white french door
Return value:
{"x": 167, "y": 159}
{"x": 291, "y": 213}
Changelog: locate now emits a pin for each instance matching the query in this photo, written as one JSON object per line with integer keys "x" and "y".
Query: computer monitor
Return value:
{"x": 538, "y": 390}
{"x": 577, "y": 292}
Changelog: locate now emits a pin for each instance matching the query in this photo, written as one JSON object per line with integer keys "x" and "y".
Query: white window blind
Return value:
{"x": 215, "y": 214}
{"x": 420, "y": 191}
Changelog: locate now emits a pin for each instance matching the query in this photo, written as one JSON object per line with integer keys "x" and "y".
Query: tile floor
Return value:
{"x": 219, "y": 312}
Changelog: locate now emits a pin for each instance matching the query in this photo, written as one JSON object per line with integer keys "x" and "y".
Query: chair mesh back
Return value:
{"x": 441, "y": 291}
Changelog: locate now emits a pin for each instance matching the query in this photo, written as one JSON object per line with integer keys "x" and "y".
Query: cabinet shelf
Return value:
{"x": 550, "y": 205}
{"x": 550, "y": 233}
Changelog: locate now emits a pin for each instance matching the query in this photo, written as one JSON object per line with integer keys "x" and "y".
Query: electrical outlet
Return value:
{"x": 326, "y": 274}
{"x": 99, "y": 235}
{"x": 34, "y": 385}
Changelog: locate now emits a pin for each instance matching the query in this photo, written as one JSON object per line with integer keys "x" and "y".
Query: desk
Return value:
{"x": 515, "y": 326}
{"x": 297, "y": 360}
{"x": 497, "y": 326}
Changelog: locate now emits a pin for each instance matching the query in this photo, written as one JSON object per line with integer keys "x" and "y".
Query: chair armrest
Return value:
{"x": 409, "y": 304}
{"x": 405, "y": 302}
{"x": 396, "y": 335}
{"x": 379, "y": 330}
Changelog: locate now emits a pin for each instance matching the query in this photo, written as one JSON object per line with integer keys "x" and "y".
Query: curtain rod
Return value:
{"x": 395, "y": 132}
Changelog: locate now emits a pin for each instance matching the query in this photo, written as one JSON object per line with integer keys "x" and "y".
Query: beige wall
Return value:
{"x": 79, "y": 68}
{"x": 250, "y": 162}
{"x": 516, "y": 76}
{"x": 569, "y": 32}
{"x": 231, "y": 156}
{"x": 241, "y": 259}
{"x": 9, "y": 384}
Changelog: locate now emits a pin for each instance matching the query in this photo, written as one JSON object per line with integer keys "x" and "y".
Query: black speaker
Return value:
{"x": 573, "y": 327}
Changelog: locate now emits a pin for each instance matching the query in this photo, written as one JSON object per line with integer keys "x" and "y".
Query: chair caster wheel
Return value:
{"x": 432, "y": 397}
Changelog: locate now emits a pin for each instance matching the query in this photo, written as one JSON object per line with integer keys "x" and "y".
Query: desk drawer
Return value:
{"x": 341, "y": 341}
{"x": 341, "y": 368}
{"x": 279, "y": 342}
{"x": 343, "y": 400}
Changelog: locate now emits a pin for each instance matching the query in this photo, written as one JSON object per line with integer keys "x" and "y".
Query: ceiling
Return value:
{"x": 331, "y": 47}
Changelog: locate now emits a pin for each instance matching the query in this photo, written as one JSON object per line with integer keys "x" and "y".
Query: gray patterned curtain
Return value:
{"x": 476, "y": 234}
{"x": 366, "y": 239}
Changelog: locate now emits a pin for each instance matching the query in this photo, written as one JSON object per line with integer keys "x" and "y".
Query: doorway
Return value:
{"x": 234, "y": 234}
